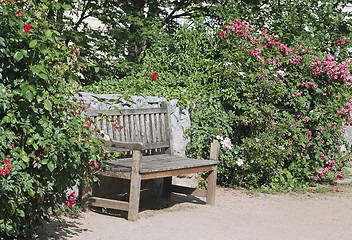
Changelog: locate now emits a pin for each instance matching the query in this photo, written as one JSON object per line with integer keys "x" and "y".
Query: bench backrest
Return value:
{"x": 145, "y": 125}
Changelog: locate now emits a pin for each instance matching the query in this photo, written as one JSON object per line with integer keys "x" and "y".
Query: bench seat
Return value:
{"x": 157, "y": 163}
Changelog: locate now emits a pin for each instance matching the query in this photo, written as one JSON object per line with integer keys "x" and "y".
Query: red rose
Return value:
{"x": 27, "y": 27}
{"x": 154, "y": 75}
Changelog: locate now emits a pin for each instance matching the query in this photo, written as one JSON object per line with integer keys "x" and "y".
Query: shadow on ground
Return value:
{"x": 65, "y": 228}
{"x": 147, "y": 206}
{"x": 58, "y": 228}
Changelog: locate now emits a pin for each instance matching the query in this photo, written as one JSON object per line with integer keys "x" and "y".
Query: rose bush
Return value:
{"x": 283, "y": 107}
{"x": 45, "y": 145}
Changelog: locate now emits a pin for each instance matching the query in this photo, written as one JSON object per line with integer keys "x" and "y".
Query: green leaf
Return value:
{"x": 25, "y": 158}
{"x": 33, "y": 43}
{"x": 31, "y": 192}
{"x": 51, "y": 166}
{"x": 66, "y": 6}
{"x": 23, "y": 165}
{"x": 20, "y": 213}
{"x": 2, "y": 41}
{"x": 35, "y": 146}
{"x": 48, "y": 33}
{"x": 47, "y": 105}
{"x": 96, "y": 69}
{"x": 18, "y": 56}
{"x": 29, "y": 141}
{"x": 57, "y": 6}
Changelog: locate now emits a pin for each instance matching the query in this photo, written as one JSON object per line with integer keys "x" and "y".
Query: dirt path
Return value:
{"x": 236, "y": 215}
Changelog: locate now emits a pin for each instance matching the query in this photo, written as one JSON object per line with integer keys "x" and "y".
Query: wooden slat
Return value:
{"x": 158, "y": 127}
{"x": 177, "y": 172}
{"x": 153, "y": 128}
{"x": 137, "y": 130}
{"x": 142, "y": 127}
{"x": 189, "y": 191}
{"x": 108, "y": 203}
{"x": 168, "y": 130}
{"x": 122, "y": 137}
{"x": 163, "y": 128}
{"x": 127, "y": 128}
{"x": 127, "y": 111}
{"x": 148, "y": 128}
{"x": 123, "y": 175}
{"x": 132, "y": 127}
{"x": 164, "y": 144}
{"x": 110, "y": 127}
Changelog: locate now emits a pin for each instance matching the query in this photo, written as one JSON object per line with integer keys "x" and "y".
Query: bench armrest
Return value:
{"x": 115, "y": 145}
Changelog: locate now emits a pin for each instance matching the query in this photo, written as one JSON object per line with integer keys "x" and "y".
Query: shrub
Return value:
{"x": 43, "y": 133}
{"x": 283, "y": 107}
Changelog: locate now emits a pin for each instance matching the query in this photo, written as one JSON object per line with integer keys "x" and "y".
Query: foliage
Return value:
{"x": 282, "y": 106}
{"x": 43, "y": 133}
{"x": 126, "y": 29}
{"x": 277, "y": 101}
{"x": 115, "y": 48}
{"x": 315, "y": 23}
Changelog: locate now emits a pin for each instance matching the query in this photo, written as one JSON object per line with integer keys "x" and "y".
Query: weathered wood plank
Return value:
{"x": 110, "y": 127}
{"x": 163, "y": 128}
{"x": 135, "y": 188}
{"x": 127, "y": 128}
{"x": 177, "y": 172}
{"x": 121, "y": 134}
{"x": 122, "y": 175}
{"x": 142, "y": 127}
{"x": 108, "y": 203}
{"x": 157, "y": 163}
{"x": 157, "y": 127}
{"x": 148, "y": 127}
{"x": 168, "y": 130}
{"x": 132, "y": 127}
{"x": 211, "y": 186}
{"x": 137, "y": 128}
{"x": 158, "y": 110}
{"x": 214, "y": 150}
{"x": 153, "y": 128}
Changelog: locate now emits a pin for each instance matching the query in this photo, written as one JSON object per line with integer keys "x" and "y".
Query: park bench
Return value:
{"x": 144, "y": 136}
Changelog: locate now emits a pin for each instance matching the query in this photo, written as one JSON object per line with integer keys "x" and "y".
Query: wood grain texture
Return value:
{"x": 135, "y": 187}
{"x": 108, "y": 203}
{"x": 211, "y": 186}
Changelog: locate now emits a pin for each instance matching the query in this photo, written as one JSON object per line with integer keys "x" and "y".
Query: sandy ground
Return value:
{"x": 236, "y": 215}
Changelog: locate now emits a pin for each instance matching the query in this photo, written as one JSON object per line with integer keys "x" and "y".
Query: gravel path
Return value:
{"x": 236, "y": 215}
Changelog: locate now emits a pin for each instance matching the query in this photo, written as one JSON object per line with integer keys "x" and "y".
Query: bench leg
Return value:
{"x": 86, "y": 193}
{"x": 167, "y": 187}
{"x": 135, "y": 188}
{"x": 211, "y": 187}
{"x": 133, "y": 205}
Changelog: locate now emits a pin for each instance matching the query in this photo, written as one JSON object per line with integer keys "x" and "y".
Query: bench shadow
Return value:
{"x": 157, "y": 205}
{"x": 59, "y": 228}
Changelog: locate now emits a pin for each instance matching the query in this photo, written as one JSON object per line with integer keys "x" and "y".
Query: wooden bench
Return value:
{"x": 146, "y": 135}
